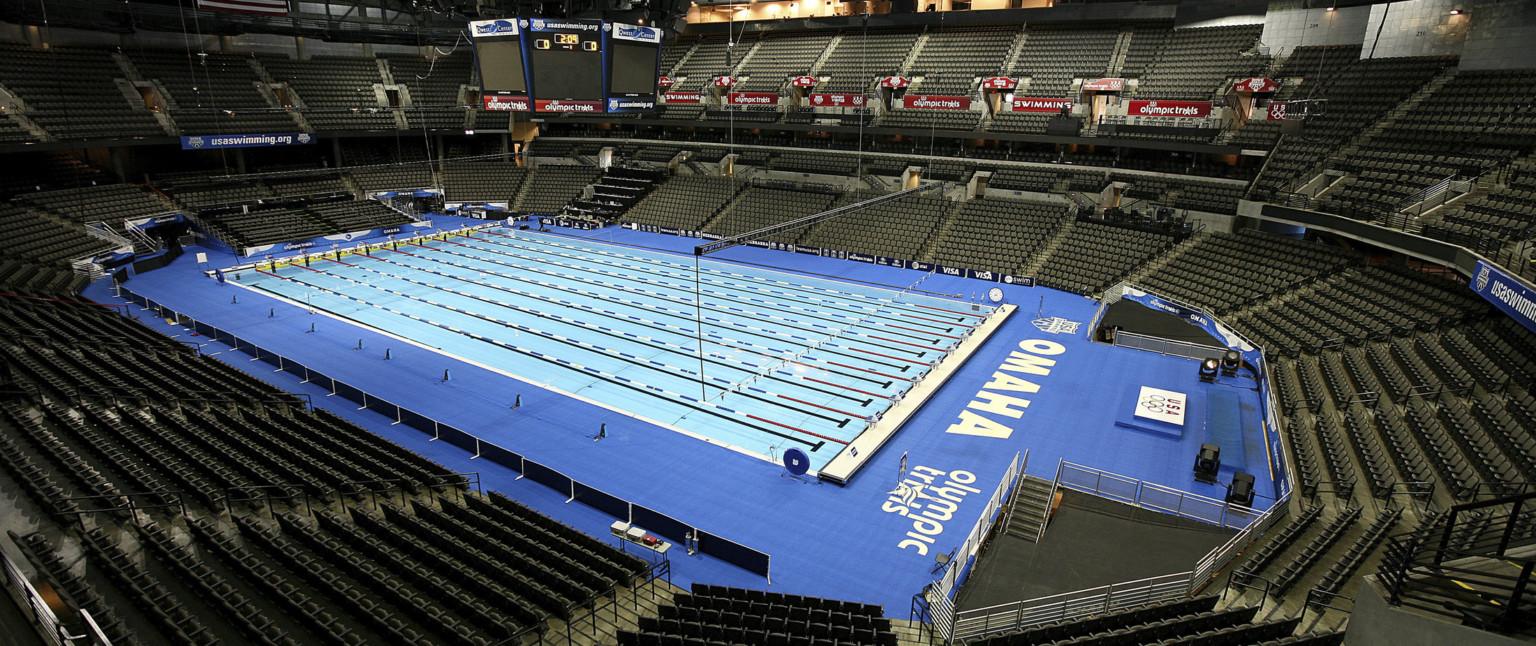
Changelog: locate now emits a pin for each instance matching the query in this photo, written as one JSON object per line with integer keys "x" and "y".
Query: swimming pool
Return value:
{"x": 751, "y": 358}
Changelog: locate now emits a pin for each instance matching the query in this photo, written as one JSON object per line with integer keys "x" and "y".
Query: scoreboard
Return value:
{"x": 567, "y": 65}
{"x": 567, "y": 61}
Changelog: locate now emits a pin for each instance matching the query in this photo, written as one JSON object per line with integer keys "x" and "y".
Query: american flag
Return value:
{"x": 268, "y": 7}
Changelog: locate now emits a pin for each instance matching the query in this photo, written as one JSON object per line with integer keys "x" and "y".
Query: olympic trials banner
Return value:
{"x": 753, "y": 98}
{"x": 205, "y": 142}
{"x": 1181, "y": 109}
{"x": 1506, "y": 293}
{"x": 506, "y": 102}
{"x": 935, "y": 102}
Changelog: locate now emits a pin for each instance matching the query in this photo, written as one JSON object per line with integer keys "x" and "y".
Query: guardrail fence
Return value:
{"x": 1167, "y": 346}
{"x": 1018, "y": 615}
{"x": 1153, "y": 496}
{"x": 938, "y": 597}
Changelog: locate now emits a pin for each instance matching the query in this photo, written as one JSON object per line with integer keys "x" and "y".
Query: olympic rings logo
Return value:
{"x": 1160, "y": 404}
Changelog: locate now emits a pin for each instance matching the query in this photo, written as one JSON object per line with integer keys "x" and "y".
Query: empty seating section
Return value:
{"x": 393, "y": 178}
{"x": 1357, "y": 305}
{"x": 357, "y": 215}
{"x": 1038, "y": 180}
{"x": 212, "y": 92}
{"x": 28, "y": 278}
{"x": 252, "y": 228}
{"x": 1410, "y": 397}
{"x": 679, "y": 111}
{"x": 712, "y": 57}
{"x": 763, "y": 206}
{"x": 194, "y": 193}
{"x": 1506, "y": 211}
{"x": 337, "y": 92}
{"x": 114, "y": 407}
{"x": 800, "y": 161}
{"x": 673, "y": 50}
{"x": 930, "y": 119}
{"x": 719, "y": 614}
{"x": 897, "y": 229}
{"x": 550, "y": 187}
{"x": 482, "y": 181}
{"x": 1092, "y": 256}
{"x": 1025, "y": 122}
{"x": 366, "y": 151}
{"x": 1260, "y": 134}
{"x": 38, "y": 238}
{"x": 1205, "y": 273}
{"x": 1358, "y": 95}
{"x": 1207, "y": 196}
{"x": 1475, "y": 122}
{"x": 860, "y": 58}
{"x": 308, "y": 185}
{"x": 744, "y": 114}
{"x": 74, "y": 93}
{"x": 964, "y": 54}
{"x": 1053, "y": 56}
{"x": 684, "y": 202}
{"x": 1147, "y": 41}
{"x": 434, "y": 86}
{"x": 780, "y": 57}
{"x": 11, "y": 131}
{"x": 110, "y": 203}
{"x": 48, "y": 171}
{"x": 1194, "y": 63}
{"x": 999, "y": 234}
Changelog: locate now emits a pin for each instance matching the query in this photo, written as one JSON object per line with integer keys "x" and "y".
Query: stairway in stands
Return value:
{"x": 1032, "y": 503}
{"x": 1043, "y": 254}
{"x": 614, "y": 192}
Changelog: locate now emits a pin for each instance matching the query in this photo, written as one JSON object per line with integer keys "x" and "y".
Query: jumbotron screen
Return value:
{"x": 634, "y": 54}
{"x": 499, "y": 58}
{"x": 501, "y": 67}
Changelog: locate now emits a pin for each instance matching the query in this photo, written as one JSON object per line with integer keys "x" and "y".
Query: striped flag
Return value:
{"x": 267, "y": 7}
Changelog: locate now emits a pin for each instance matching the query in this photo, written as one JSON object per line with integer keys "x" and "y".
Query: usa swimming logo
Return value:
{"x": 1056, "y": 325}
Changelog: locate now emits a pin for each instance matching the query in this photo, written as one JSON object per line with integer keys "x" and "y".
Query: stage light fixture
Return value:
{"x": 1230, "y": 362}
{"x": 1207, "y": 463}
{"x": 1240, "y": 492}
{"x": 1208, "y": 370}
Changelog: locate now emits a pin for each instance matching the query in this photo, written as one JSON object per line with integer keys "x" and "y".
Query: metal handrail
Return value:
{"x": 1018, "y": 615}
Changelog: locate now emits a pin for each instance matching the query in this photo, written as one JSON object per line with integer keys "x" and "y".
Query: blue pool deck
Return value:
{"x": 824, "y": 540}
{"x": 772, "y": 364}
